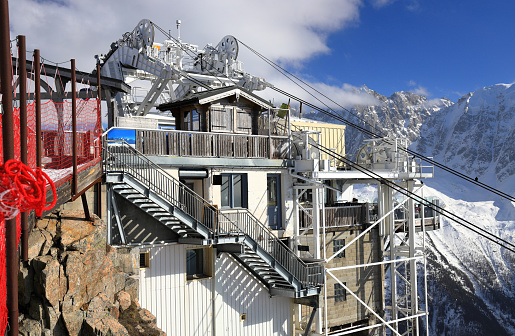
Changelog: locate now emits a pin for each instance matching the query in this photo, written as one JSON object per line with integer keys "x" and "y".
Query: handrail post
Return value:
{"x": 37, "y": 96}
{"x": 22, "y": 71}
{"x": 74, "y": 129}
{"x": 11, "y": 240}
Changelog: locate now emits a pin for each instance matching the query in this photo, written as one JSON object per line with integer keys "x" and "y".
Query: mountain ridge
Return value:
{"x": 470, "y": 280}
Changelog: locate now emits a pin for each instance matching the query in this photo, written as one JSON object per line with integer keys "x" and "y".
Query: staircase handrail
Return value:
{"x": 162, "y": 182}
{"x": 195, "y": 206}
{"x": 267, "y": 240}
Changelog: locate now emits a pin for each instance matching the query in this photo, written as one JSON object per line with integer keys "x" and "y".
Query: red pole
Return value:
{"x": 11, "y": 242}
{"x": 74, "y": 129}
{"x": 37, "y": 92}
{"x": 22, "y": 71}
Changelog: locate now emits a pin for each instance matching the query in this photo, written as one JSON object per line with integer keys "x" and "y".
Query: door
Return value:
{"x": 274, "y": 201}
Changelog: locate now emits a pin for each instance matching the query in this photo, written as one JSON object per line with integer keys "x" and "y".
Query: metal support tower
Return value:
{"x": 404, "y": 254}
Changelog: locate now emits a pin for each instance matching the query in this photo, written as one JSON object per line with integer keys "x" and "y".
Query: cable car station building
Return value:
{"x": 246, "y": 221}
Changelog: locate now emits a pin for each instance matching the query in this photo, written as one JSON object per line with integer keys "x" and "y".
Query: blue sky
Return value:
{"x": 432, "y": 47}
{"x": 443, "y": 48}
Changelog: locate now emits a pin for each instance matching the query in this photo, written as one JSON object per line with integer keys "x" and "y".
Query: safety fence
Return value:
{"x": 48, "y": 172}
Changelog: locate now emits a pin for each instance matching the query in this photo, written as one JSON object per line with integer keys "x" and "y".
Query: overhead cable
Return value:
{"x": 330, "y": 112}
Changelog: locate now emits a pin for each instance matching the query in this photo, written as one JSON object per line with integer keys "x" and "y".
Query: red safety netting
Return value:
{"x": 56, "y": 132}
{"x": 3, "y": 278}
{"x": 57, "y": 165}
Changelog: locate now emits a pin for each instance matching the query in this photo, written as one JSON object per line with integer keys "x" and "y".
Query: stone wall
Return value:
{"x": 75, "y": 284}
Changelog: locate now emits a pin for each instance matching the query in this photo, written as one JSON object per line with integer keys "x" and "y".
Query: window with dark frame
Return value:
{"x": 144, "y": 260}
{"x": 340, "y": 294}
{"x": 197, "y": 264}
{"x": 234, "y": 191}
{"x": 192, "y": 121}
{"x": 338, "y": 244}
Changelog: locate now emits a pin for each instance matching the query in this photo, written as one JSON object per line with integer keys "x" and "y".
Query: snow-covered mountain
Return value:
{"x": 401, "y": 115}
{"x": 471, "y": 281}
{"x": 475, "y": 135}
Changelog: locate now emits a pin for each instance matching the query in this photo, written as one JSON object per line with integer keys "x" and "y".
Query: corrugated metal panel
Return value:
{"x": 185, "y": 307}
{"x": 238, "y": 293}
{"x": 332, "y": 136}
{"x": 181, "y": 307}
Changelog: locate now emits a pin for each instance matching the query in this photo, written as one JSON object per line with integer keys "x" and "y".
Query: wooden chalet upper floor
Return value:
{"x": 224, "y": 123}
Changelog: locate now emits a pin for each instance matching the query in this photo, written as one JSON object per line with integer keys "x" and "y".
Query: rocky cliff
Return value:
{"x": 475, "y": 135}
{"x": 75, "y": 284}
{"x": 400, "y": 115}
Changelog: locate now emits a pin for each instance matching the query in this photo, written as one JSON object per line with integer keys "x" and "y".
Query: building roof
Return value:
{"x": 205, "y": 97}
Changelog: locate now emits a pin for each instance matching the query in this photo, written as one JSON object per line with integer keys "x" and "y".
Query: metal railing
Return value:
{"x": 206, "y": 144}
{"x": 258, "y": 232}
{"x": 337, "y": 216}
{"x": 121, "y": 157}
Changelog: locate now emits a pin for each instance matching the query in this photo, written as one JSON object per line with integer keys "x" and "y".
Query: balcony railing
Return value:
{"x": 216, "y": 145}
{"x": 337, "y": 216}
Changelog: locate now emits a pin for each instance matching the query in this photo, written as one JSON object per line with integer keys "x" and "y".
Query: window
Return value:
{"x": 338, "y": 244}
{"x": 198, "y": 264}
{"x": 192, "y": 121}
{"x": 144, "y": 260}
{"x": 234, "y": 190}
{"x": 340, "y": 294}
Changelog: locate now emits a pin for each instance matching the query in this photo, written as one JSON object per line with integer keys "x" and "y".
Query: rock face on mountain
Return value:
{"x": 75, "y": 284}
{"x": 400, "y": 115}
{"x": 476, "y": 134}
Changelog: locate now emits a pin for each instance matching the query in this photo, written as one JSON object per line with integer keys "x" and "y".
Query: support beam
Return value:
{"x": 310, "y": 322}
{"x": 22, "y": 80}
{"x": 109, "y": 214}
{"x": 11, "y": 240}
{"x": 412, "y": 263}
{"x": 74, "y": 130}
{"x": 98, "y": 199}
{"x": 117, "y": 218}
{"x": 86, "y": 207}
{"x": 37, "y": 91}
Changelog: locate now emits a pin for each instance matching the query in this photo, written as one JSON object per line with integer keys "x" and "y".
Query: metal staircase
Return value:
{"x": 148, "y": 187}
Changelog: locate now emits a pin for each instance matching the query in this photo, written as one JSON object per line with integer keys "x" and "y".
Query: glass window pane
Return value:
{"x": 199, "y": 269}
{"x": 225, "y": 188}
{"x": 194, "y": 263}
{"x": 272, "y": 190}
{"x": 191, "y": 263}
{"x": 337, "y": 245}
{"x": 195, "y": 121}
{"x": 238, "y": 191}
{"x": 340, "y": 294}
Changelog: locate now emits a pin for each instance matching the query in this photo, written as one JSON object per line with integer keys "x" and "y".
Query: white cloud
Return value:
{"x": 345, "y": 95}
{"x": 290, "y": 30}
{"x": 287, "y": 31}
{"x": 382, "y": 3}
{"x": 420, "y": 90}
